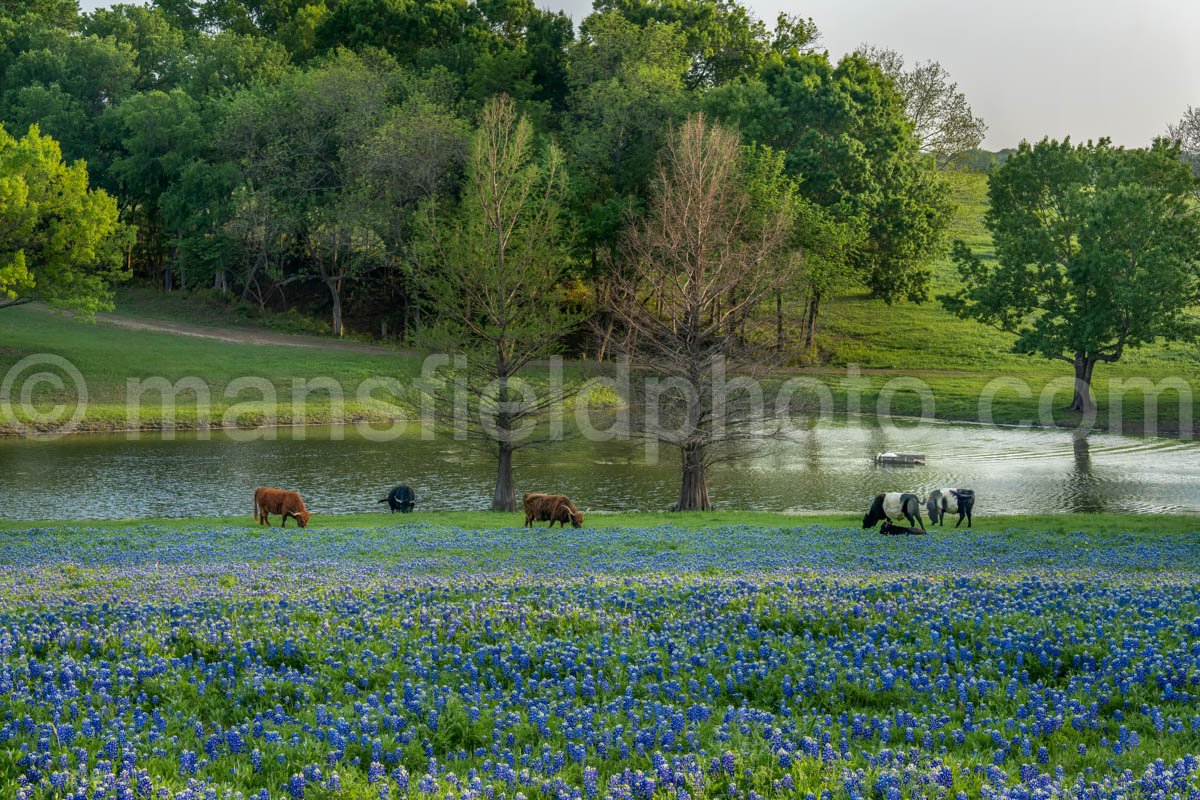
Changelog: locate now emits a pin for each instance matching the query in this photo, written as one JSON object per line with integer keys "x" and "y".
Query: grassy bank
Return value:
{"x": 1144, "y": 524}
{"x": 254, "y": 384}
{"x": 109, "y": 357}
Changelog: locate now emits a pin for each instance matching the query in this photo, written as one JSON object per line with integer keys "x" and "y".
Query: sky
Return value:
{"x": 1124, "y": 69}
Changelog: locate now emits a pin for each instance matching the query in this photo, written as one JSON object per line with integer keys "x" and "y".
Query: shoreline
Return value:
{"x": 1059, "y": 523}
{"x": 1136, "y": 431}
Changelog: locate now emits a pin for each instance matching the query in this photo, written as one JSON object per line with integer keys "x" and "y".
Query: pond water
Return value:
{"x": 826, "y": 469}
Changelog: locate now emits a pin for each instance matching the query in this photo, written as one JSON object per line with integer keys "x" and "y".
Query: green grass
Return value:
{"x": 1147, "y": 524}
{"x": 109, "y": 357}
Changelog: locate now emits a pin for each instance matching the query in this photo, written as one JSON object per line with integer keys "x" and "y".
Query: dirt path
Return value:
{"x": 236, "y": 335}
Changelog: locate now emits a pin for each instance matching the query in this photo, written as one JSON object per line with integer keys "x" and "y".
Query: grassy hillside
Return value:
{"x": 108, "y": 357}
{"x": 958, "y": 358}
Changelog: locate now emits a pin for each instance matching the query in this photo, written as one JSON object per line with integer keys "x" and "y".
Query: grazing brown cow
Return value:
{"x": 540, "y": 507}
{"x": 277, "y": 501}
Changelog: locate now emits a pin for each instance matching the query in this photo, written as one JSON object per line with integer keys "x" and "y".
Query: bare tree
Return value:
{"x": 493, "y": 267}
{"x": 1187, "y": 133}
{"x": 711, "y": 248}
{"x": 943, "y": 121}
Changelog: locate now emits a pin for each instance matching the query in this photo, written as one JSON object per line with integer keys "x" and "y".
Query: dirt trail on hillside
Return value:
{"x": 236, "y": 335}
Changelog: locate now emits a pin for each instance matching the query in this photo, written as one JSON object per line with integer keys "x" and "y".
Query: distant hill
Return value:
{"x": 980, "y": 160}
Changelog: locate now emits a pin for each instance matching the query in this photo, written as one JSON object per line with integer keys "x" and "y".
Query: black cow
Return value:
{"x": 894, "y": 505}
{"x": 401, "y": 499}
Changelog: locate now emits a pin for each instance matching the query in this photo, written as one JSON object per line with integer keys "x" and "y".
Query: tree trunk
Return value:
{"x": 693, "y": 492}
{"x": 504, "y": 498}
{"x": 1082, "y": 399}
{"x": 810, "y": 322}
{"x": 778, "y": 320}
{"x": 335, "y": 290}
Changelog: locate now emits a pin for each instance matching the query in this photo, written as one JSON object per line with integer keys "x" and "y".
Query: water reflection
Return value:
{"x": 826, "y": 468}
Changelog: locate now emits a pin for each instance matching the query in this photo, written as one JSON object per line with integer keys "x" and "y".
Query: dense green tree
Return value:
{"x": 297, "y": 142}
{"x": 229, "y": 61}
{"x": 416, "y": 153}
{"x": 61, "y": 14}
{"x": 198, "y": 210}
{"x": 1097, "y": 251}
{"x": 493, "y": 263}
{"x": 155, "y": 137}
{"x": 848, "y": 144}
{"x": 723, "y": 39}
{"x": 64, "y": 82}
{"x": 159, "y": 48}
{"x": 414, "y": 31}
{"x": 627, "y": 86}
{"x": 60, "y": 241}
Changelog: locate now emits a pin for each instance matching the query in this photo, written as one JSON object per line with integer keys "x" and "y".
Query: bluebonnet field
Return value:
{"x": 738, "y": 662}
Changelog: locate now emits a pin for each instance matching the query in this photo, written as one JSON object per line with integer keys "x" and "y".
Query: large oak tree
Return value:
{"x": 1097, "y": 251}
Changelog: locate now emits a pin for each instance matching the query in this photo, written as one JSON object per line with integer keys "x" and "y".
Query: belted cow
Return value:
{"x": 941, "y": 502}
{"x": 540, "y": 507}
{"x": 893, "y": 506}
{"x": 277, "y": 501}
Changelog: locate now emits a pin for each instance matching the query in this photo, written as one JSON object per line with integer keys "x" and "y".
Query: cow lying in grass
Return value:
{"x": 941, "y": 502}
{"x": 285, "y": 504}
{"x": 540, "y": 507}
{"x": 893, "y": 506}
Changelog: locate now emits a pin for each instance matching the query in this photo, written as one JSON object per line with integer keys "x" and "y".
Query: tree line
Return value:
{"x": 280, "y": 152}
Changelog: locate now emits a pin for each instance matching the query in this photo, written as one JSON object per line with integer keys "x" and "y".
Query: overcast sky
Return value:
{"x": 1030, "y": 68}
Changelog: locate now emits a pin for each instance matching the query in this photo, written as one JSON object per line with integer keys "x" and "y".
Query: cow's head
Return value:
{"x": 302, "y": 518}
{"x": 577, "y": 519}
{"x": 868, "y": 520}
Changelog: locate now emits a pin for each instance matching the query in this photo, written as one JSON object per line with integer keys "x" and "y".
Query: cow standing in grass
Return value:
{"x": 893, "y": 506}
{"x": 401, "y": 499}
{"x": 941, "y": 502}
{"x": 540, "y": 507}
{"x": 285, "y": 504}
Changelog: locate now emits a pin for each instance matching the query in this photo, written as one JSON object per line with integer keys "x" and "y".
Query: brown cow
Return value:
{"x": 277, "y": 501}
{"x": 540, "y": 507}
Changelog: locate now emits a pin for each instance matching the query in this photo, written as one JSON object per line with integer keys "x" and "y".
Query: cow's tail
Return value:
{"x": 256, "y": 514}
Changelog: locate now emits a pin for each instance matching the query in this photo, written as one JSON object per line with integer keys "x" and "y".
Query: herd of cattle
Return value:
{"x": 891, "y": 507}
{"x": 888, "y": 508}
{"x": 539, "y": 507}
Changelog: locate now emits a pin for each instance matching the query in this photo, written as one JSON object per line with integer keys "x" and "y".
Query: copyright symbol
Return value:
{"x": 36, "y": 395}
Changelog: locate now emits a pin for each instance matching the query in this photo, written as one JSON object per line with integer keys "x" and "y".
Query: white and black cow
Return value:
{"x": 893, "y": 506}
{"x": 941, "y": 502}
